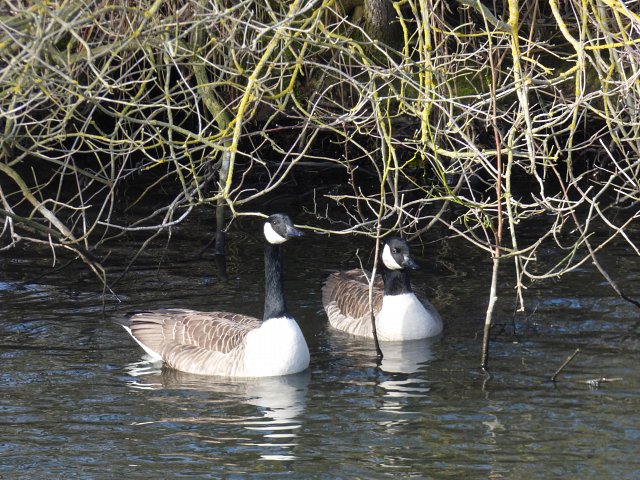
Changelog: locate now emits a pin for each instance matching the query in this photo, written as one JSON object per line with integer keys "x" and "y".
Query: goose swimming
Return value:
{"x": 399, "y": 313}
{"x": 231, "y": 344}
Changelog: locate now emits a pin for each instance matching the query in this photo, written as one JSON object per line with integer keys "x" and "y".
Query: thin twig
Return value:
{"x": 564, "y": 364}
{"x": 595, "y": 382}
{"x": 493, "y": 294}
{"x": 374, "y": 329}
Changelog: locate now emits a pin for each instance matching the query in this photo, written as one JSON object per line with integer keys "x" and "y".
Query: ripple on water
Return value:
{"x": 78, "y": 399}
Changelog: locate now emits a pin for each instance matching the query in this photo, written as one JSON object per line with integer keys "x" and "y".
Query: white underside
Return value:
{"x": 404, "y": 317}
{"x": 277, "y": 347}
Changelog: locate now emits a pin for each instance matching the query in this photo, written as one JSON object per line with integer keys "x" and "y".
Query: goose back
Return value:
{"x": 210, "y": 343}
{"x": 345, "y": 297}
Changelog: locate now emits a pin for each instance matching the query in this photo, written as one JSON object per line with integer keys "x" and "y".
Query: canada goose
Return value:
{"x": 399, "y": 314}
{"x": 231, "y": 344}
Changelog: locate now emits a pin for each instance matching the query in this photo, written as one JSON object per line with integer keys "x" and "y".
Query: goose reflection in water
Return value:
{"x": 402, "y": 372}
{"x": 405, "y": 365}
{"x": 406, "y": 357}
{"x": 280, "y": 400}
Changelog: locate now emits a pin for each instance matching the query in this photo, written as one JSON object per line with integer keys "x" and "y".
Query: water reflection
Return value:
{"x": 280, "y": 403}
{"x": 69, "y": 410}
{"x": 407, "y": 357}
{"x": 404, "y": 364}
{"x": 402, "y": 372}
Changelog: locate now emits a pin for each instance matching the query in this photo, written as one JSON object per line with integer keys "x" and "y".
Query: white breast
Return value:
{"x": 404, "y": 317}
{"x": 277, "y": 347}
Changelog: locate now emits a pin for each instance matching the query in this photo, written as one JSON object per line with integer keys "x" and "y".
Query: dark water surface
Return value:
{"x": 78, "y": 399}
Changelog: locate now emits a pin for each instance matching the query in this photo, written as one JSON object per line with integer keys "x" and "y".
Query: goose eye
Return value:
{"x": 394, "y": 250}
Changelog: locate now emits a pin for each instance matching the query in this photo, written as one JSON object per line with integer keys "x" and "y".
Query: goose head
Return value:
{"x": 278, "y": 228}
{"x": 396, "y": 255}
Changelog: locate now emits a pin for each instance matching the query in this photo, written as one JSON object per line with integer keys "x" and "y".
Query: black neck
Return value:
{"x": 396, "y": 282}
{"x": 274, "y": 304}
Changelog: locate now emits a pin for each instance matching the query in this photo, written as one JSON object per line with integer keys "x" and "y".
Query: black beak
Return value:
{"x": 409, "y": 263}
{"x": 293, "y": 232}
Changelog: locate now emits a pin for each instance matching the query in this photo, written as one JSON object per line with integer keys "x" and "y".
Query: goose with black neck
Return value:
{"x": 231, "y": 344}
{"x": 399, "y": 313}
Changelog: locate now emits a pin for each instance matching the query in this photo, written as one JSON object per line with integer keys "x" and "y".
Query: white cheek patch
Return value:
{"x": 388, "y": 259}
{"x": 272, "y": 236}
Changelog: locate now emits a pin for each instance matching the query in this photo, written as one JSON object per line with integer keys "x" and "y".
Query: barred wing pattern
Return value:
{"x": 345, "y": 297}
{"x": 210, "y": 343}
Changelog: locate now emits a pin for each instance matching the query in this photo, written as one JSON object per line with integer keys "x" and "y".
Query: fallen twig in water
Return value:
{"x": 595, "y": 382}
{"x": 564, "y": 364}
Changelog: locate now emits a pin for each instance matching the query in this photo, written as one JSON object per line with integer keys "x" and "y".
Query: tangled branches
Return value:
{"x": 472, "y": 118}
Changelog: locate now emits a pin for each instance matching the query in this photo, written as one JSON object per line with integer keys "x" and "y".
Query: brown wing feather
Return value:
{"x": 197, "y": 342}
{"x": 345, "y": 297}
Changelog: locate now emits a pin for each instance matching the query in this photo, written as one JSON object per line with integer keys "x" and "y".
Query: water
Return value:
{"x": 79, "y": 400}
